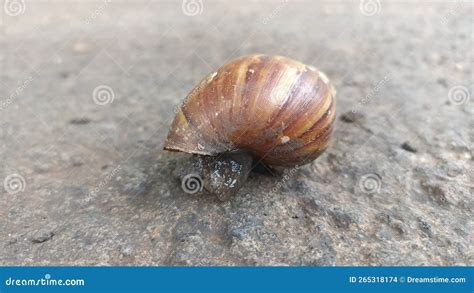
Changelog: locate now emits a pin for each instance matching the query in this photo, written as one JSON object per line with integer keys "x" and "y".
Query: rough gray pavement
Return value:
{"x": 85, "y": 182}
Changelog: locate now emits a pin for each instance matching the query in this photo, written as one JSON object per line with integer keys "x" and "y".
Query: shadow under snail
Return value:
{"x": 255, "y": 109}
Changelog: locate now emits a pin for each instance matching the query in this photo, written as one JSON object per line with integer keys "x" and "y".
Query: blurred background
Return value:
{"x": 88, "y": 90}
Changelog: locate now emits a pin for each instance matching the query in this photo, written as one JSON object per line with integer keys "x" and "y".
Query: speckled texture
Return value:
{"x": 394, "y": 187}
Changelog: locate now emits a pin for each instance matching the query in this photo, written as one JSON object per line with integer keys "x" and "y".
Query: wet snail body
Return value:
{"x": 257, "y": 108}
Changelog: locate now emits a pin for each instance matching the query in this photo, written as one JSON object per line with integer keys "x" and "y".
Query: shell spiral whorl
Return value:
{"x": 280, "y": 110}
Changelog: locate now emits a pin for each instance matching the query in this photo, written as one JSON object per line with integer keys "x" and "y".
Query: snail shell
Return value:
{"x": 278, "y": 109}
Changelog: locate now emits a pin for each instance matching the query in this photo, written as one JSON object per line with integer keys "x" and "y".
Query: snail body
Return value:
{"x": 274, "y": 109}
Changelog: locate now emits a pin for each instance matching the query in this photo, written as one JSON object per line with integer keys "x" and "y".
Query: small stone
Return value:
{"x": 11, "y": 241}
{"x": 435, "y": 192}
{"x": 453, "y": 170}
{"x": 80, "y": 47}
{"x": 80, "y": 121}
{"x": 351, "y": 117}
{"x": 138, "y": 188}
{"x": 42, "y": 235}
{"x": 425, "y": 227}
{"x": 341, "y": 220}
{"x": 164, "y": 192}
{"x": 41, "y": 168}
{"x": 77, "y": 162}
{"x": 408, "y": 147}
{"x": 238, "y": 233}
{"x": 298, "y": 186}
{"x": 126, "y": 251}
{"x": 442, "y": 81}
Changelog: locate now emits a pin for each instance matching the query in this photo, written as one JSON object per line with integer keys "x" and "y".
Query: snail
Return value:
{"x": 255, "y": 109}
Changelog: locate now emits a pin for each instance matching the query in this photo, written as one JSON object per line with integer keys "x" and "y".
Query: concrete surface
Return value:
{"x": 89, "y": 88}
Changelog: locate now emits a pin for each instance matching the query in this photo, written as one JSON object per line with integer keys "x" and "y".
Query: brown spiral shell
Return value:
{"x": 279, "y": 109}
